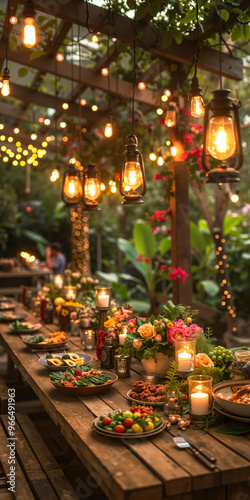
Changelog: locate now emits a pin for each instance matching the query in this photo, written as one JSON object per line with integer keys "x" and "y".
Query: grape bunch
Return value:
{"x": 221, "y": 356}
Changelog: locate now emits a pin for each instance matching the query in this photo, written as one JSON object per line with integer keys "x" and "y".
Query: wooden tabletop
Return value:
{"x": 139, "y": 469}
{"x": 25, "y": 273}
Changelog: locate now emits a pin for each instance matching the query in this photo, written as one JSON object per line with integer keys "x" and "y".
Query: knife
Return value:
{"x": 198, "y": 448}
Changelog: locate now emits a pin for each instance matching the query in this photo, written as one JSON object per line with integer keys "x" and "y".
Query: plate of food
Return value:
{"x": 129, "y": 424}
{"x": 7, "y": 306}
{"x": 24, "y": 327}
{"x": 49, "y": 343}
{"x": 54, "y": 362}
{"x": 3, "y": 298}
{"x": 230, "y": 415}
{"x": 82, "y": 381}
{"x": 147, "y": 393}
{"x": 233, "y": 396}
{"x": 8, "y": 317}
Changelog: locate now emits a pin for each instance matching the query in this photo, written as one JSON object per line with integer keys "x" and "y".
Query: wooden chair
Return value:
{"x": 37, "y": 474}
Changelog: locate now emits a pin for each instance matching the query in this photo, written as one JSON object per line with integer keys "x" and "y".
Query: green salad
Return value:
{"x": 18, "y": 325}
{"x": 82, "y": 376}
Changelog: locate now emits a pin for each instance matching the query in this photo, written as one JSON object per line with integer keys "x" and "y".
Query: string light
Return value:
{"x": 46, "y": 121}
{"x": 13, "y": 19}
{"x": 104, "y": 71}
{"x": 1, "y": 126}
{"x": 83, "y": 102}
{"x": 167, "y": 93}
{"x": 33, "y": 137}
{"x": 108, "y": 131}
{"x": 59, "y": 57}
{"x": 10, "y": 139}
{"x": 63, "y": 124}
{"x": 65, "y": 105}
{"x": 141, "y": 85}
{"x": 16, "y": 130}
{"x": 94, "y": 107}
{"x": 94, "y": 38}
{"x": 5, "y": 90}
{"x": 159, "y": 111}
{"x": 164, "y": 98}
{"x": 235, "y": 196}
{"x": 29, "y": 34}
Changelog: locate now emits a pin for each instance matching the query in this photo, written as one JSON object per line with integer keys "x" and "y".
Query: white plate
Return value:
{"x": 37, "y": 327}
{"x": 43, "y": 361}
{"x": 148, "y": 403}
{"x": 225, "y": 388}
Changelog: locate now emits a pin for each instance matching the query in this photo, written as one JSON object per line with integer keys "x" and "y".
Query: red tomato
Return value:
{"x": 119, "y": 428}
{"x": 78, "y": 377}
{"x": 128, "y": 422}
{"x": 107, "y": 421}
{"x": 72, "y": 378}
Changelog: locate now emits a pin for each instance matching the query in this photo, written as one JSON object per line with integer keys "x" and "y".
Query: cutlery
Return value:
{"x": 182, "y": 443}
{"x": 198, "y": 448}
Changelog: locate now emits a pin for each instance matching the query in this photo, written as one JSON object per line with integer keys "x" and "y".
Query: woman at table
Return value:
{"x": 55, "y": 259}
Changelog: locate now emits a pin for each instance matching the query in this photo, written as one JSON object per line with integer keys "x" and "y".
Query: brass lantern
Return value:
{"x": 92, "y": 193}
{"x": 72, "y": 187}
{"x": 222, "y": 138}
{"x": 132, "y": 175}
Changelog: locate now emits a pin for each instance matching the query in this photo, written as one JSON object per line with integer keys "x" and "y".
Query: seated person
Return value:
{"x": 55, "y": 259}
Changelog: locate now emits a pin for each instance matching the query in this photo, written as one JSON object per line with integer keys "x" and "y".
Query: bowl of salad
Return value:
{"x": 82, "y": 381}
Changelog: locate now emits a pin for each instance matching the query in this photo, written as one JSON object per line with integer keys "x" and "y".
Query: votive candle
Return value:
{"x": 122, "y": 336}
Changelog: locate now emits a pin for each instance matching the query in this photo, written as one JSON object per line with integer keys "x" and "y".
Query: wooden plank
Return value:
{"x": 29, "y": 463}
{"x": 112, "y": 462}
{"x": 3, "y": 396}
{"x": 51, "y": 468}
{"x": 151, "y": 40}
{"x": 240, "y": 446}
{"x": 23, "y": 490}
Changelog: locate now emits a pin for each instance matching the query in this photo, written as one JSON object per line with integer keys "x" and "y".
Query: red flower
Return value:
{"x": 178, "y": 274}
{"x": 183, "y": 156}
{"x": 163, "y": 267}
{"x": 147, "y": 260}
{"x": 117, "y": 176}
{"x": 159, "y": 177}
{"x": 185, "y": 111}
{"x": 139, "y": 258}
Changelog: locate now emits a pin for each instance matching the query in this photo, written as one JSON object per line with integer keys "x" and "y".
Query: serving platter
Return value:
{"x": 33, "y": 328}
{"x": 140, "y": 402}
{"x": 90, "y": 390}
{"x": 7, "y": 306}
{"x": 225, "y": 388}
{"x": 230, "y": 415}
{"x": 45, "y": 347}
{"x": 143, "y": 435}
{"x": 43, "y": 362}
{"x": 6, "y": 317}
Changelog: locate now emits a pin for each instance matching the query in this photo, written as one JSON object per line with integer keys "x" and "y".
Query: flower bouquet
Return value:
{"x": 115, "y": 324}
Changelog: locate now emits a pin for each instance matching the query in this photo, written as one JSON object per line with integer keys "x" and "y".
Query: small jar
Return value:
{"x": 48, "y": 313}
{"x": 44, "y": 303}
{"x": 173, "y": 403}
{"x": 37, "y": 307}
{"x": 89, "y": 336}
{"x": 28, "y": 299}
{"x": 122, "y": 367}
{"x": 107, "y": 354}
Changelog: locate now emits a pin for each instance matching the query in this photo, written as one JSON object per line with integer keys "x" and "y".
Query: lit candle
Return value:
{"x": 58, "y": 281}
{"x": 200, "y": 403}
{"x": 122, "y": 336}
{"x": 70, "y": 293}
{"x": 103, "y": 300}
{"x": 184, "y": 361}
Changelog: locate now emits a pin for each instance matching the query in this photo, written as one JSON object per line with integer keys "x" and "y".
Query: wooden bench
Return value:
{"x": 3, "y": 396}
{"x": 37, "y": 474}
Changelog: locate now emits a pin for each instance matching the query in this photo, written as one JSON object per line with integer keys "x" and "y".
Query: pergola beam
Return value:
{"x": 89, "y": 77}
{"x": 74, "y": 11}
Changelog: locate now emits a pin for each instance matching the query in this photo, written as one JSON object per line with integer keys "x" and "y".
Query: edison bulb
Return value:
{"x": 235, "y": 197}
{"x": 104, "y": 71}
{"x": 173, "y": 150}
{"x": 72, "y": 186}
{"x": 54, "y": 175}
{"x": 159, "y": 111}
{"x": 65, "y": 105}
{"x": 5, "y": 90}
{"x": 92, "y": 188}
{"x": 94, "y": 39}
{"x": 33, "y": 137}
{"x": 141, "y": 85}
{"x": 160, "y": 160}
{"x": 29, "y": 36}
{"x": 108, "y": 132}
{"x": 221, "y": 137}
{"x": 59, "y": 57}
{"x": 132, "y": 174}
{"x": 197, "y": 106}
{"x": 152, "y": 156}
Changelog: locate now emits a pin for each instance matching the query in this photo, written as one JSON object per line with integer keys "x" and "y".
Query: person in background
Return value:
{"x": 55, "y": 259}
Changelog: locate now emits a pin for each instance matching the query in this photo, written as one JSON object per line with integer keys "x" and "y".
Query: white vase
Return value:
{"x": 159, "y": 364}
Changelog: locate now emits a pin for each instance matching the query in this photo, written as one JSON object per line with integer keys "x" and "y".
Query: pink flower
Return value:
{"x": 139, "y": 258}
{"x": 158, "y": 338}
{"x": 137, "y": 343}
{"x": 177, "y": 332}
{"x": 188, "y": 137}
{"x": 159, "y": 177}
{"x": 163, "y": 267}
{"x": 178, "y": 274}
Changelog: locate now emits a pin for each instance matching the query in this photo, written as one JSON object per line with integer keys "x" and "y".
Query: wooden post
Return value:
{"x": 180, "y": 231}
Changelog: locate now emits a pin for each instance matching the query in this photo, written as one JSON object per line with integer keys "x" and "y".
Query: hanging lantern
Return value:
{"x": 170, "y": 118}
{"x": 195, "y": 94}
{"x": 132, "y": 176}
{"x": 5, "y": 90}
{"x": 92, "y": 193}
{"x": 72, "y": 191}
{"x": 222, "y": 138}
{"x": 29, "y": 35}
{"x": 152, "y": 155}
{"x": 108, "y": 130}
{"x": 160, "y": 159}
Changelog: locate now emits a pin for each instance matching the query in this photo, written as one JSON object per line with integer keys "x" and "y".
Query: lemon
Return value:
{"x": 58, "y": 301}
{"x": 79, "y": 361}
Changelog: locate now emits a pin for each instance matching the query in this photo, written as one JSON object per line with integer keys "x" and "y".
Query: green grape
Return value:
{"x": 219, "y": 358}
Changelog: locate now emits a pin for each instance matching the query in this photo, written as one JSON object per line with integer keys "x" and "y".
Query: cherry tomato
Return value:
{"x": 119, "y": 428}
{"x": 127, "y": 414}
{"x": 137, "y": 428}
{"x": 78, "y": 377}
{"x": 72, "y": 378}
{"x": 106, "y": 421}
{"x": 149, "y": 427}
{"x": 137, "y": 415}
{"x": 128, "y": 422}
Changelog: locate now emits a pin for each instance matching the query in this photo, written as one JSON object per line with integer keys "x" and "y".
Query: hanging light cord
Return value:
{"x": 56, "y": 96}
{"x": 197, "y": 56}
{"x": 109, "y": 97}
{"x": 220, "y": 62}
{"x": 134, "y": 75}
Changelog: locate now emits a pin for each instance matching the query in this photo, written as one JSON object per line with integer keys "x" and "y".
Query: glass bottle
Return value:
{"x": 107, "y": 354}
{"x": 102, "y": 334}
{"x": 48, "y": 313}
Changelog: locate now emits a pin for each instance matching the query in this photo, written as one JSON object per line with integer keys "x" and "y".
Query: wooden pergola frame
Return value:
{"x": 75, "y": 12}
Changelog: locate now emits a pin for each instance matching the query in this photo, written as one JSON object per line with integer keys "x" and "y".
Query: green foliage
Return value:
{"x": 205, "y": 342}
{"x": 172, "y": 380}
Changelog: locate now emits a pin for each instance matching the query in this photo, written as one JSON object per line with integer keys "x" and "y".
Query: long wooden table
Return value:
{"x": 140, "y": 469}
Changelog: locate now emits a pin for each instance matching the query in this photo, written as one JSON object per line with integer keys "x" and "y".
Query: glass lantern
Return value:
{"x": 58, "y": 281}
{"x": 103, "y": 296}
{"x": 200, "y": 396}
{"x": 70, "y": 292}
{"x": 92, "y": 193}
{"x": 185, "y": 351}
{"x": 72, "y": 187}
{"x": 132, "y": 174}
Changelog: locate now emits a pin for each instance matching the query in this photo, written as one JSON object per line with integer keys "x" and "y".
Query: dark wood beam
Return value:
{"x": 75, "y": 11}
{"x": 88, "y": 77}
